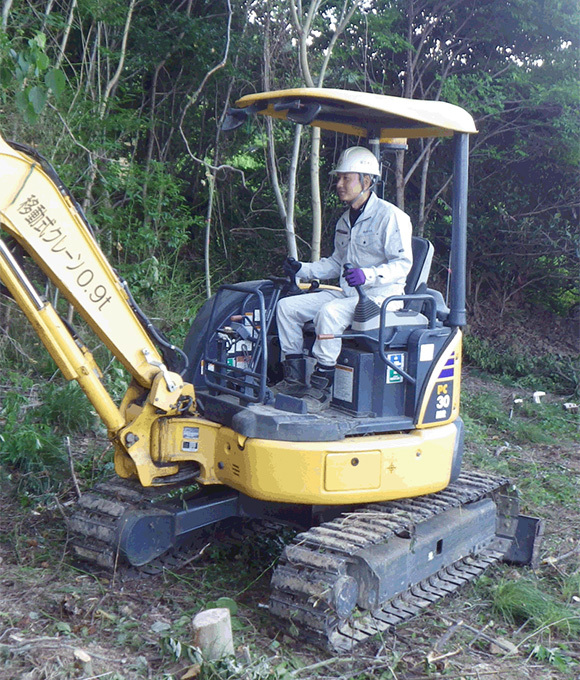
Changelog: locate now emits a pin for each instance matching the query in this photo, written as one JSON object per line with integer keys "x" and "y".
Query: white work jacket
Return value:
{"x": 379, "y": 243}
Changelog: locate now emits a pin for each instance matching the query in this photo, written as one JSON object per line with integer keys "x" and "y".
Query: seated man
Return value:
{"x": 375, "y": 237}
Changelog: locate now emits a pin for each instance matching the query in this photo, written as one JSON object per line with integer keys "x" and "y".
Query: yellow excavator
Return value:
{"x": 388, "y": 520}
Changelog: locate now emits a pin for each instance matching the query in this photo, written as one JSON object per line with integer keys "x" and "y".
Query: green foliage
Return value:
{"x": 30, "y": 447}
{"x": 557, "y": 656}
{"x": 571, "y": 588}
{"x": 525, "y": 601}
{"x": 26, "y": 72}
{"x": 559, "y": 374}
{"x": 116, "y": 380}
{"x": 35, "y": 416}
{"x": 65, "y": 407}
{"x": 519, "y": 422}
{"x": 501, "y": 434}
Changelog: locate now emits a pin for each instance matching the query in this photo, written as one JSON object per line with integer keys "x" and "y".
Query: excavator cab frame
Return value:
{"x": 411, "y": 358}
{"x": 382, "y": 120}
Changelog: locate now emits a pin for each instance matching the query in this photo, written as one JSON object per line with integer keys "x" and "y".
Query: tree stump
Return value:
{"x": 212, "y": 633}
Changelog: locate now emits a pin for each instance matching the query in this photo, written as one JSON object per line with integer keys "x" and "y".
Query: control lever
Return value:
{"x": 365, "y": 308}
{"x": 293, "y": 288}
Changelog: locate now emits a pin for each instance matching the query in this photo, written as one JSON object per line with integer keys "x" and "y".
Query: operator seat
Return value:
{"x": 422, "y": 259}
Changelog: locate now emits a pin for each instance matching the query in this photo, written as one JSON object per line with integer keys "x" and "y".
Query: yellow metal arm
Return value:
{"x": 45, "y": 222}
{"x": 76, "y": 363}
{"x": 43, "y": 219}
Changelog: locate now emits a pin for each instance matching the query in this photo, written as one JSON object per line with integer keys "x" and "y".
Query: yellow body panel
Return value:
{"x": 355, "y": 470}
{"x": 359, "y": 472}
{"x": 186, "y": 440}
{"x": 155, "y": 431}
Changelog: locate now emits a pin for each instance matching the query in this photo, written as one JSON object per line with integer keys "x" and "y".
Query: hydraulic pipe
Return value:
{"x": 457, "y": 314}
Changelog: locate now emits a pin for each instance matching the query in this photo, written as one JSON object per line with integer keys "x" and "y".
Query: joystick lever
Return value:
{"x": 365, "y": 308}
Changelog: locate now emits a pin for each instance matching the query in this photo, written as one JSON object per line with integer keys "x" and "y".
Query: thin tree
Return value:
{"x": 303, "y": 27}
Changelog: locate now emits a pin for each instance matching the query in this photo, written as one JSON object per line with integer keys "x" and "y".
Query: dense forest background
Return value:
{"x": 126, "y": 100}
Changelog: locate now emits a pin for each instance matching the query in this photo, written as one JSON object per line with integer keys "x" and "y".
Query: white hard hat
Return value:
{"x": 357, "y": 159}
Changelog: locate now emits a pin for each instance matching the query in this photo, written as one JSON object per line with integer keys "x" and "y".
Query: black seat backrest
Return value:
{"x": 422, "y": 258}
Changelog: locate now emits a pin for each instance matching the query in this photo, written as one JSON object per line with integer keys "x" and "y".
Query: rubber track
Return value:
{"x": 94, "y": 528}
{"x": 317, "y": 559}
{"x": 94, "y": 525}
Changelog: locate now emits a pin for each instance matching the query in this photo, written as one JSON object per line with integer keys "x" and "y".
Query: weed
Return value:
{"x": 261, "y": 668}
{"x": 559, "y": 374}
{"x": 547, "y": 486}
{"x": 522, "y": 601}
{"x": 485, "y": 412}
{"x": 67, "y": 408}
{"x": 485, "y": 408}
{"x": 31, "y": 448}
{"x": 555, "y": 656}
{"x": 116, "y": 380}
{"x": 571, "y": 589}
{"x": 33, "y": 421}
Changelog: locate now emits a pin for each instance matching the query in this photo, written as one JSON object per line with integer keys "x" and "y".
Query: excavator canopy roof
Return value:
{"x": 363, "y": 114}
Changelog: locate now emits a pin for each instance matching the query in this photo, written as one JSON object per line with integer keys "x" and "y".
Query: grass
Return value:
{"x": 65, "y": 407}
{"x": 556, "y": 373}
{"x": 571, "y": 589}
{"x": 502, "y": 437}
{"x": 488, "y": 412}
{"x": 523, "y": 601}
{"x": 35, "y": 418}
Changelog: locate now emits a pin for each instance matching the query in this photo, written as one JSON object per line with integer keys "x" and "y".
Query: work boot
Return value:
{"x": 294, "y": 382}
{"x": 319, "y": 394}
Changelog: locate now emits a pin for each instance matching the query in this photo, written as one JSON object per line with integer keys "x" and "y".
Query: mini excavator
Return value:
{"x": 388, "y": 520}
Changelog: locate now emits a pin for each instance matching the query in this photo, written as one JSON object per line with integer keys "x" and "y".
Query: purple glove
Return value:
{"x": 355, "y": 277}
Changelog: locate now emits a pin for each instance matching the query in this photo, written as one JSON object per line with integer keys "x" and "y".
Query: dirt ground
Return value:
{"x": 59, "y": 621}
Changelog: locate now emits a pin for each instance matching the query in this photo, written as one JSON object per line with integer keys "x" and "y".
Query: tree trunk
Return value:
{"x": 303, "y": 28}
{"x": 65, "y": 36}
{"x": 400, "y": 178}
{"x": 293, "y": 172}
{"x": 113, "y": 82}
{"x": 6, "y": 7}
{"x": 316, "y": 201}
{"x": 420, "y": 227}
{"x": 270, "y": 145}
{"x": 207, "y": 241}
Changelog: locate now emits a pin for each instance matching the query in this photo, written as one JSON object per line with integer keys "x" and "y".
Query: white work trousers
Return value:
{"x": 332, "y": 312}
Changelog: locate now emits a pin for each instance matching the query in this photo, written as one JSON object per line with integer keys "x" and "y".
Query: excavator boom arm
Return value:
{"x": 44, "y": 221}
{"x": 39, "y": 213}
{"x": 74, "y": 361}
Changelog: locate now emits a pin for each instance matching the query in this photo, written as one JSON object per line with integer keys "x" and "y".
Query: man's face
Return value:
{"x": 349, "y": 188}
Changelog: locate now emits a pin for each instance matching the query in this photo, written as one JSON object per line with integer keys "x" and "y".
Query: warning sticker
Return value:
{"x": 427, "y": 352}
{"x": 344, "y": 383}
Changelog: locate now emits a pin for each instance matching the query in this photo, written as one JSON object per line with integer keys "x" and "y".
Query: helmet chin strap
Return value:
{"x": 374, "y": 180}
